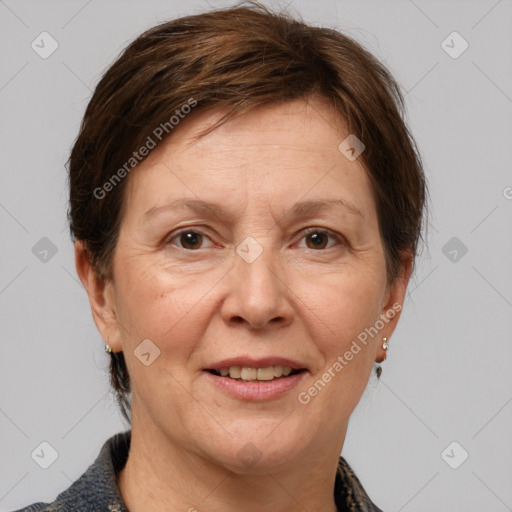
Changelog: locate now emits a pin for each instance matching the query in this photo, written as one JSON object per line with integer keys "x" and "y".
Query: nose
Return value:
{"x": 258, "y": 295}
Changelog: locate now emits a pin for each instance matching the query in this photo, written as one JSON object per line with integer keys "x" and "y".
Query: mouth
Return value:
{"x": 252, "y": 383}
{"x": 249, "y": 379}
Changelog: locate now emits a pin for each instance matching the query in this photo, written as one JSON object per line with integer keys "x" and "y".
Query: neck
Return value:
{"x": 163, "y": 475}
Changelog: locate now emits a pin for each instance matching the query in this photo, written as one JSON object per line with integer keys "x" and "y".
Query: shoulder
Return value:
{"x": 349, "y": 492}
{"x": 96, "y": 490}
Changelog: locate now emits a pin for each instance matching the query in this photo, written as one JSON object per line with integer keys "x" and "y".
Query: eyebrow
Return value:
{"x": 302, "y": 209}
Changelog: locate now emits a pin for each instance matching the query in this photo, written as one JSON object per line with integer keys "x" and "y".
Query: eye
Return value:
{"x": 189, "y": 239}
{"x": 317, "y": 238}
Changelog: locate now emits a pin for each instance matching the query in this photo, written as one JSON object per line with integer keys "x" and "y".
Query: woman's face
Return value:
{"x": 260, "y": 274}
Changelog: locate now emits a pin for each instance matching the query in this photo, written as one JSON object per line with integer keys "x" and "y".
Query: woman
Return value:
{"x": 246, "y": 204}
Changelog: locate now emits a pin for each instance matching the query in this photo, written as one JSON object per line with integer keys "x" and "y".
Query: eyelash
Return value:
{"x": 308, "y": 231}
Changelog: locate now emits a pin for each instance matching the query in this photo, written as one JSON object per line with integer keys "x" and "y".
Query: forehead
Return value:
{"x": 278, "y": 153}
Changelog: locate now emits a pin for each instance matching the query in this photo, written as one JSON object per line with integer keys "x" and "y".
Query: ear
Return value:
{"x": 394, "y": 302}
{"x": 101, "y": 297}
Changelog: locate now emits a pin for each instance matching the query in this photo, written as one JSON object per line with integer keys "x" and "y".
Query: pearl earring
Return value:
{"x": 107, "y": 348}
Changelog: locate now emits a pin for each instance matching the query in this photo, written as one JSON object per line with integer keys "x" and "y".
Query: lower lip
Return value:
{"x": 256, "y": 390}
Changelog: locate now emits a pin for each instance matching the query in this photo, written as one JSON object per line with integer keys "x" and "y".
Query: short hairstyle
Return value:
{"x": 238, "y": 59}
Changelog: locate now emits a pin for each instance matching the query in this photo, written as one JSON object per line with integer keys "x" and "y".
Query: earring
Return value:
{"x": 107, "y": 348}
{"x": 385, "y": 346}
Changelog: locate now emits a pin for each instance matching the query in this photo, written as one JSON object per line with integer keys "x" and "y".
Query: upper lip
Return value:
{"x": 263, "y": 362}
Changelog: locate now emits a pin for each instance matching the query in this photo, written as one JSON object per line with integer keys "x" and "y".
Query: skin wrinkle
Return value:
{"x": 300, "y": 303}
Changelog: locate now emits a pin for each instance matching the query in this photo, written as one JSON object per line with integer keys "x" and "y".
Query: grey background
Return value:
{"x": 447, "y": 377}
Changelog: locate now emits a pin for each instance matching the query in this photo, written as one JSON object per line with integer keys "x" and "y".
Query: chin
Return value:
{"x": 249, "y": 459}
{"x": 259, "y": 448}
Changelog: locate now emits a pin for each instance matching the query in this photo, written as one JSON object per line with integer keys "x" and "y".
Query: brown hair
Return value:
{"x": 238, "y": 58}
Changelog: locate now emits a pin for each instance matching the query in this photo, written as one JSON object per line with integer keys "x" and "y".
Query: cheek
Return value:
{"x": 167, "y": 309}
{"x": 344, "y": 304}
{"x": 343, "y": 308}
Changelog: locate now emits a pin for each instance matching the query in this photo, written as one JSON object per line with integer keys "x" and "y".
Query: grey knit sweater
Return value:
{"x": 97, "y": 491}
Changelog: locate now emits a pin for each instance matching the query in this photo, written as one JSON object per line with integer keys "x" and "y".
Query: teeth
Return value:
{"x": 265, "y": 373}
{"x": 235, "y": 372}
{"x": 247, "y": 373}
